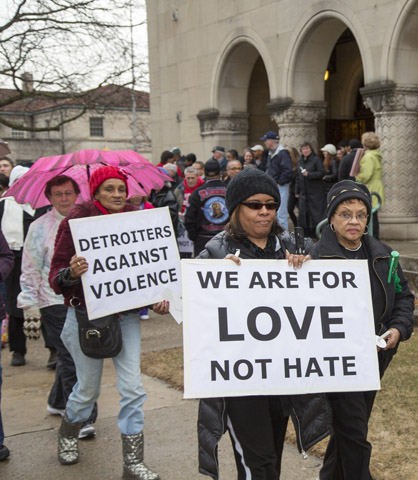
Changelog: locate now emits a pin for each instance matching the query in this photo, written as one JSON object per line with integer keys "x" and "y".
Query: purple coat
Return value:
{"x": 6, "y": 265}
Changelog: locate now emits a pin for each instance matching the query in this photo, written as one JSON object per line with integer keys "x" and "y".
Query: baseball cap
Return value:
{"x": 270, "y": 136}
{"x": 256, "y": 148}
{"x": 175, "y": 150}
{"x": 218, "y": 149}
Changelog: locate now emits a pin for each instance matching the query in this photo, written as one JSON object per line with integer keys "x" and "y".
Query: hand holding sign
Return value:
{"x": 125, "y": 261}
{"x": 78, "y": 266}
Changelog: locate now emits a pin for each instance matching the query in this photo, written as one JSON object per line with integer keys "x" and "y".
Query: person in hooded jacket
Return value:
{"x": 345, "y": 237}
{"x": 257, "y": 424}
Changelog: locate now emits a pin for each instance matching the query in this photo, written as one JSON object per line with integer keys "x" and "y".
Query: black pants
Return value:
{"x": 348, "y": 452}
{"x": 53, "y": 319}
{"x": 17, "y": 338}
{"x": 257, "y": 427}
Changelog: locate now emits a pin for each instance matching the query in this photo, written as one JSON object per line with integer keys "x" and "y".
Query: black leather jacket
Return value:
{"x": 311, "y": 414}
{"x": 390, "y": 309}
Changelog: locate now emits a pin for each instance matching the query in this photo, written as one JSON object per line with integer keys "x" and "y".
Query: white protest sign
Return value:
{"x": 183, "y": 240}
{"x": 263, "y": 328}
{"x": 132, "y": 256}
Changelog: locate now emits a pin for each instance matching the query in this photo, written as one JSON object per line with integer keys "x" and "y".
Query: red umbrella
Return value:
{"x": 143, "y": 176}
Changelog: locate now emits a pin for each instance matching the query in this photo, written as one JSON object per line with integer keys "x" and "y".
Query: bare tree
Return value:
{"x": 68, "y": 46}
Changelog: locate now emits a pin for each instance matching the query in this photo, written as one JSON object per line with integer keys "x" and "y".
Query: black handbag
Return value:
{"x": 99, "y": 338}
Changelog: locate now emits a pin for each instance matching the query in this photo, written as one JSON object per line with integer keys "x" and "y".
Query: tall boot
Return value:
{"x": 68, "y": 441}
{"x": 133, "y": 459}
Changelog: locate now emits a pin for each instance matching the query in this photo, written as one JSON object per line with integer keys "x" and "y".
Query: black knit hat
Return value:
{"x": 212, "y": 168}
{"x": 346, "y": 190}
{"x": 247, "y": 183}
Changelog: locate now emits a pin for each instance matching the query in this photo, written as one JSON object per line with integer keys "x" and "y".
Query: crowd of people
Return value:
{"x": 230, "y": 202}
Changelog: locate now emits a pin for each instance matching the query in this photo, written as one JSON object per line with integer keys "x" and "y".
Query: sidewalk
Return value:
{"x": 170, "y": 424}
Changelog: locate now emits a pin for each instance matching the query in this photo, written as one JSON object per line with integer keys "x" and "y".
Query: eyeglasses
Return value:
{"x": 361, "y": 217}
{"x": 68, "y": 193}
{"x": 259, "y": 205}
{"x": 234, "y": 168}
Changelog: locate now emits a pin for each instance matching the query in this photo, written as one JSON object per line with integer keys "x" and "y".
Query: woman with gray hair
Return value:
{"x": 345, "y": 237}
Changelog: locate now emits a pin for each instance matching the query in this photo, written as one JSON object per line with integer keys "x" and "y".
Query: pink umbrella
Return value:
{"x": 143, "y": 176}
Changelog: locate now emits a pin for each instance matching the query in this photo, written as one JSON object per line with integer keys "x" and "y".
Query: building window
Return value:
{"x": 96, "y": 127}
{"x": 17, "y": 133}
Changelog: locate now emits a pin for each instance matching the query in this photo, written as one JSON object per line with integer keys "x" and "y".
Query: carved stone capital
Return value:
{"x": 286, "y": 111}
{"x": 211, "y": 122}
{"x": 389, "y": 97}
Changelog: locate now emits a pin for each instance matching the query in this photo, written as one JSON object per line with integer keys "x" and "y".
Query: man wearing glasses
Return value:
{"x": 233, "y": 167}
{"x": 38, "y": 300}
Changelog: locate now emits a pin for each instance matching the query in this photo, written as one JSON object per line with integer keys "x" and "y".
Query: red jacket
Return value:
{"x": 64, "y": 250}
{"x": 187, "y": 191}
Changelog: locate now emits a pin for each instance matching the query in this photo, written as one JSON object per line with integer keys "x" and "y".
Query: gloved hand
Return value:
{"x": 32, "y": 323}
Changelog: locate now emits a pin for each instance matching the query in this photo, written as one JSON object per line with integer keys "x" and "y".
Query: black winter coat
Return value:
{"x": 6, "y": 266}
{"x": 312, "y": 200}
{"x": 390, "y": 309}
{"x": 166, "y": 198}
{"x": 311, "y": 414}
{"x": 207, "y": 214}
{"x": 331, "y": 176}
{"x": 346, "y": 163}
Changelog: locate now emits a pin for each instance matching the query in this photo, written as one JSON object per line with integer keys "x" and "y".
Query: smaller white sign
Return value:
{"x": 132, "y": 256}
{"x": 183, "y": 240}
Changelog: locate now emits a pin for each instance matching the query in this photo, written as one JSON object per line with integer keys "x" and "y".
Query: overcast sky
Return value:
{"x": 140, "y": 44}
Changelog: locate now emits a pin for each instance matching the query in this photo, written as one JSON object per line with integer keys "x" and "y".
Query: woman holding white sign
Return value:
{"x": 108, "y": 187}
{"x": 348, "y": 211}
{"x": 257, "y": 424}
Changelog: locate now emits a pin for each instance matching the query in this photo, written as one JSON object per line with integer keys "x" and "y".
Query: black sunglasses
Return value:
{"x": 259, "y": 205}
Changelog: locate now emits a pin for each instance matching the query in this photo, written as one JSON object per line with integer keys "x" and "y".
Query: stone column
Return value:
{"x": 229, "y": 130}
{"x": 396, "y": 121}
{"x": 297, "y": 121}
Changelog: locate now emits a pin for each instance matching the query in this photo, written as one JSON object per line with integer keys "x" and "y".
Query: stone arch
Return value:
{"x": 310, "y": 49}
{"x": 233, "y": 68}
{"x": 400, "y": 52}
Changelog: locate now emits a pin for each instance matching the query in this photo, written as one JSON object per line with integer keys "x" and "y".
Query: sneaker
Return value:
{"x": 144, "y": 317}
{"x": 17, "y": 360}
{"x": 87, "y": 431}
{"x": 55, "y": 411}
{"x": 4, "y": 452}
{"x": 52, "y": 360}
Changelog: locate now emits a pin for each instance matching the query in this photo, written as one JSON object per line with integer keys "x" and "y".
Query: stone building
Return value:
{"x": 106, "y": 123}
{"x": 223, "y": 72}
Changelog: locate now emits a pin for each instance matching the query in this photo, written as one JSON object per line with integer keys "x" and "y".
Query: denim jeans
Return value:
{"x": 1, "y": 421}
{"x": 53, "y": 320}
{"x": 89, "y": 373}
{"x": 282, "y": 211}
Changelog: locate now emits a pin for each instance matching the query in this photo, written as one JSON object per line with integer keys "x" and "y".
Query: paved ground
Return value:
{"x": 170, "y": 425}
